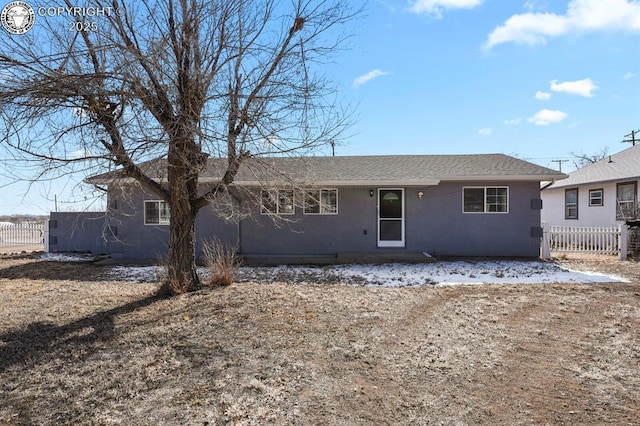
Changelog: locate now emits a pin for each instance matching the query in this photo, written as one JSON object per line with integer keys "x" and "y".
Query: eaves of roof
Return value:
{"x": 400, "y": 170}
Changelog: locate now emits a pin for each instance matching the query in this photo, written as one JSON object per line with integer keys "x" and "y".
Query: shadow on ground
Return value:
{"x": 34, "y": 269}
{"x": 28, "y": 345}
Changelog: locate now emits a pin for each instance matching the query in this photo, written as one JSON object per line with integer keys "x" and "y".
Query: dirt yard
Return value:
{"x": 11, "y": 250}
{"x": 75, "y": 349}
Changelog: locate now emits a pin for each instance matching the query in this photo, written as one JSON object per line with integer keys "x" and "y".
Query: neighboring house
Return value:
{"x": 445, "y": 205}
{"x": 604, "y": 193}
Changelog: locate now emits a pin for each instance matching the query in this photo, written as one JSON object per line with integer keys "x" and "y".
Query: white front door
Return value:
{"x": 390, "y": 217}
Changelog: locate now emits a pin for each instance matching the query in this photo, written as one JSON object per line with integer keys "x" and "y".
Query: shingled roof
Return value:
{"x": 623, "y": 165}
{"x": 401, "y": 170}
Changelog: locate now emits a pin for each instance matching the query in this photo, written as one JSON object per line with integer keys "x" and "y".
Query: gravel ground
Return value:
{"x": 76, "y": 349}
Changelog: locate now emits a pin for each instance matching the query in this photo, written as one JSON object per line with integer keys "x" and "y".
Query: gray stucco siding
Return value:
{"x": 211, "y": 227}
{"x": 137, "y": 240}
{"x": 353, "y": 229}
{"x": 78, "y": 232}
{"x": 126, "y": 213}
{"x": 440, "y": 226}
{"x": 435, "y": 224}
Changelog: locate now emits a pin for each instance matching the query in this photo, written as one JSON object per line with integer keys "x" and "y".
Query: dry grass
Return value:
{"x": 75, "y": 349}
{"x": 222, "y": 263}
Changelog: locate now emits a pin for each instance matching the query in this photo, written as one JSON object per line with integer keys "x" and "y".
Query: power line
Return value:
{"x": 631, "y": 135}
{"x": 539, "y": 158}
{"x": 559, "y": 164}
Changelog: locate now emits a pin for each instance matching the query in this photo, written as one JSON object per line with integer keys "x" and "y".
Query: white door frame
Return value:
{"x": 392, "y": 243}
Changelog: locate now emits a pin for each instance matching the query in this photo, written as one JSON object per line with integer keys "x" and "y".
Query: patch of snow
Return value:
{"x": 66, "y": 257}
{"x": 134, "y": 273}
{"x": 398, "y": 274}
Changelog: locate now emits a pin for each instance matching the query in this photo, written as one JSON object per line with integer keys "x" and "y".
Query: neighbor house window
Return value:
{"x": 156, "y": 213}
{"x": 626, "y": 201}
{"x": 571, "y": 203}
{"x": 488, "y": 199}
{"x": 277, "y": 202}
{"x": 595, "y": 197}
{"x": 321, "y": 201}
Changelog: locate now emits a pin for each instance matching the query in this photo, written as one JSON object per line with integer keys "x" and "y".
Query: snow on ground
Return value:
{"x": 398, "y": 275}
{"x": 66, "y": 257}
{"x": 464, "y": 272}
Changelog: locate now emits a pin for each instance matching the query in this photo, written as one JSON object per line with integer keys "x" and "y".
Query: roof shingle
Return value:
{"x": 623, "y": 165}
{"x": 358, "y": 170}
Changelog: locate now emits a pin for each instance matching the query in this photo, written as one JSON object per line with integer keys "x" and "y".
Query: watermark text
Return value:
{"x": 76, "y": 12}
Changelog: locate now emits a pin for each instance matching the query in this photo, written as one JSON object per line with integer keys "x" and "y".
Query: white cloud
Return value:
{"x": 581, "y": 16}
{"x": 528, "y": 28}
{"x": 545, "y": 117}
{"x": 513, "y": 122}
{"x": 543, "y": 96}
{"x": 365, "y": 78}
{"x": 584, "y": 87}
{"x": 81, "y": 153}
{"x": 628, "y": 75}
{"x": 436, "y": 7}
{"x": 486, "y": 131}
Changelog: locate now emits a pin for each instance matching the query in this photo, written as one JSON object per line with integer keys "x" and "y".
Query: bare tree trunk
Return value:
{"x": 182, "y": 275}
{"x": 185, "y": 160}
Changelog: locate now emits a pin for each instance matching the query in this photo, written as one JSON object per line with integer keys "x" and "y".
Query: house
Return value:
{"x": 604, "y": 193}
{"x": 445, "y": 205}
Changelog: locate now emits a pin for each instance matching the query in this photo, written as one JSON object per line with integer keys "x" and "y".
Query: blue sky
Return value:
{"x": 537, "y": 79}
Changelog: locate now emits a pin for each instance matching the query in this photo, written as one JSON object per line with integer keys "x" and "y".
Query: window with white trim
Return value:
{"x": 571, "y": 203}
{"x": 279, "y": 201}
{"x": 156, "y": 212}
{"x": 485, "y": 199}
{"x": 321, "y": 201}
{"x": 596, "y": 197}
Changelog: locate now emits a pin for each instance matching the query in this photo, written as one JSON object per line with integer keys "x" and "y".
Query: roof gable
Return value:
{"x": 621, "y": 166}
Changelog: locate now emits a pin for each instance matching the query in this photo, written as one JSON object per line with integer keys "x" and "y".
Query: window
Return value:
{"x": 277, "y": 202}
{"x": 497, "y": 200}
{"x": 321, "y": 201}
{"x": 571, "y": 203}
{"x": 486, "y": 199}
{"x": 626, "y": 200}
{"x": 596, "y": 197}
{"x": 156, "y": 213}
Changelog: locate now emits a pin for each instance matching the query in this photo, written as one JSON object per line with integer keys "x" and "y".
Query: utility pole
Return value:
{"x": 559, "y": 163}
{"x": 633, "y": 139}
{"x": 333, "y": 147}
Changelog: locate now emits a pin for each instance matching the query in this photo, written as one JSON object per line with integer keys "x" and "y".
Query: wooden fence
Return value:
{"x": 588, "y": 239}
{"x": 24, "y": 234}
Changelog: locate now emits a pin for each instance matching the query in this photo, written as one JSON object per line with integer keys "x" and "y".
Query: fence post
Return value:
{"x": 546, "y": 250}
{"x": 46, "y": 236}
{"x": 624, "y": 241}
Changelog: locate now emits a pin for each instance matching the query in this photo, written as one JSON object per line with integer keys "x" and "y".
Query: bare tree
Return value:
{"x": 582, "y": 159}
{"x": 180, "y": 80}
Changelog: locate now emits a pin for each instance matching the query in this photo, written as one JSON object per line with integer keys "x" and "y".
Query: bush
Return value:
{"x": 222, "y": 262}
